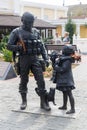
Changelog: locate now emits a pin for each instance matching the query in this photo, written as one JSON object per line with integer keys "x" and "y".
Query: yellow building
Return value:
{"x": 81, "y": 26}
{"x": 56, "y": 15}
{"x": 45, "y": 12}
{"x": 10, "y": 7}
{"x": 40, "y": 11}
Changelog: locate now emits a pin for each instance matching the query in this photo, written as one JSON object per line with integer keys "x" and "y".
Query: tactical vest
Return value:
{"x": 30, "y": 43}
{"x": 33, "y": 47}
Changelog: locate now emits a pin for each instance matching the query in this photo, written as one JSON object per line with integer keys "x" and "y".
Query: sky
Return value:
{"x": 59, "y": 2}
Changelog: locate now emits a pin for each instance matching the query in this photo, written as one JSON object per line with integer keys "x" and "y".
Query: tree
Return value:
{"x": 71, "y": 28}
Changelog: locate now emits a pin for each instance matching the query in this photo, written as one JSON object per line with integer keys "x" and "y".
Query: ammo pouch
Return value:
{"x": 43, "y": 65}
{"x": 17, "y": 68}
{"x": 29, "y": 51}
{"x": 34, "y": 51}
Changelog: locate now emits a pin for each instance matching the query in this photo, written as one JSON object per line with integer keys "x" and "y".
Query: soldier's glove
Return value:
{"x": 56, "y": 68}
{"x": 19, "y": 48}
{"x": 43, "y": 65}
{"x": 47, "y": 63}
{"x": 14, "y": 48}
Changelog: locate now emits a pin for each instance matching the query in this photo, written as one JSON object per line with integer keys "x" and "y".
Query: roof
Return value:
{"x": 10, "y": 20}
{"x": 75, "y": 17}
{"x": 43, "y": 24}
{"x": 14, "y": 21}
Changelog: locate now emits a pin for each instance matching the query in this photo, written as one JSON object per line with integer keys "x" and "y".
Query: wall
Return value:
{"x": 59, "y": 30}
{"x": 81, "y": 44}
{"x": 44, "y": 11}
{"x": 83, "y": 32}
{"x": 61, "y": 13}
{"x": 48, "y": 14}
{"x": 33, "y": 10}
{"x": 6, "y": 7}
{"x": 10, "y": 7}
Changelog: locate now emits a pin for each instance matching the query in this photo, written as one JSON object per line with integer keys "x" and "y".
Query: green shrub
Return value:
{"x": 7, "y": 55}
{"x": 3, "y": 42}
{"x": 71, "y": 28}
{"x": 2, "y": 45}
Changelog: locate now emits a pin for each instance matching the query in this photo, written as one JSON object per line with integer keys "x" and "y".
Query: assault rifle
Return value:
{"x": 16, "y": 55}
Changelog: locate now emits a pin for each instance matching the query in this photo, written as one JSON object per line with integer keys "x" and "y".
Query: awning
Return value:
{"x": 15, "y": 21}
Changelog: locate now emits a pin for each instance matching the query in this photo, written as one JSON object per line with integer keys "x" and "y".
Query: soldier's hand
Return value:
{"x": 20, "y": 48}
{"x": 47, "y": 63}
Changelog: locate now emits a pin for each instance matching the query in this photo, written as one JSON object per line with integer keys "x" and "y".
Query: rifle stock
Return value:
{"x": 21, "y": 42}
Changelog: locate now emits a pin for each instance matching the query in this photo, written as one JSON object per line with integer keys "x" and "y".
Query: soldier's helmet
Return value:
{"x": 27, "y": 18}
{"x": 68, "y": 50}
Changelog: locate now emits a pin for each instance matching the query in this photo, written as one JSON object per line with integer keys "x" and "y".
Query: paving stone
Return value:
{"x": 10, "y": 100}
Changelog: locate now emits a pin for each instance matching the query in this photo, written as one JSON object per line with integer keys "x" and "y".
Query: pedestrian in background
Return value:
{"x": 66, "y": 39}
{"x": 57, "y": 39}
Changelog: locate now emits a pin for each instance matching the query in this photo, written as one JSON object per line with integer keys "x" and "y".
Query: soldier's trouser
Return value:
{"x": 28, "y": 63}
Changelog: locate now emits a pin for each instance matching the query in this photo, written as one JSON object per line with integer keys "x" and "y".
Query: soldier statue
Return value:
{"x": 29, "y": 46}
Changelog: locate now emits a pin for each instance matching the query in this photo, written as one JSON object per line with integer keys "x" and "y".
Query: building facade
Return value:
{"x": 10, "y": 7}
{"x": 40, "y": 11}
{"x": 49, "y": 13}
{"x": 45, "y": 12}
{"x": 81, "y": 26}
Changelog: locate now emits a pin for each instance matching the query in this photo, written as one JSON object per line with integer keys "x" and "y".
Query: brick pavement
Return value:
{"x": 10, "y": 98}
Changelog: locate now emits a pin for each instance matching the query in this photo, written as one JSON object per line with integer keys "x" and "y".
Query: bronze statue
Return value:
{"x": 29, "y": 46}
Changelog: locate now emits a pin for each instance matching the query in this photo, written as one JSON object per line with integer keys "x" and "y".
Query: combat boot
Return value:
{"x": 44, "y": 104}
{"x": 24, "y": 101}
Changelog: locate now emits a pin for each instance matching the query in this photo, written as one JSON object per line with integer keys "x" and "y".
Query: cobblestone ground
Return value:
{"x": 10, "y": 98}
